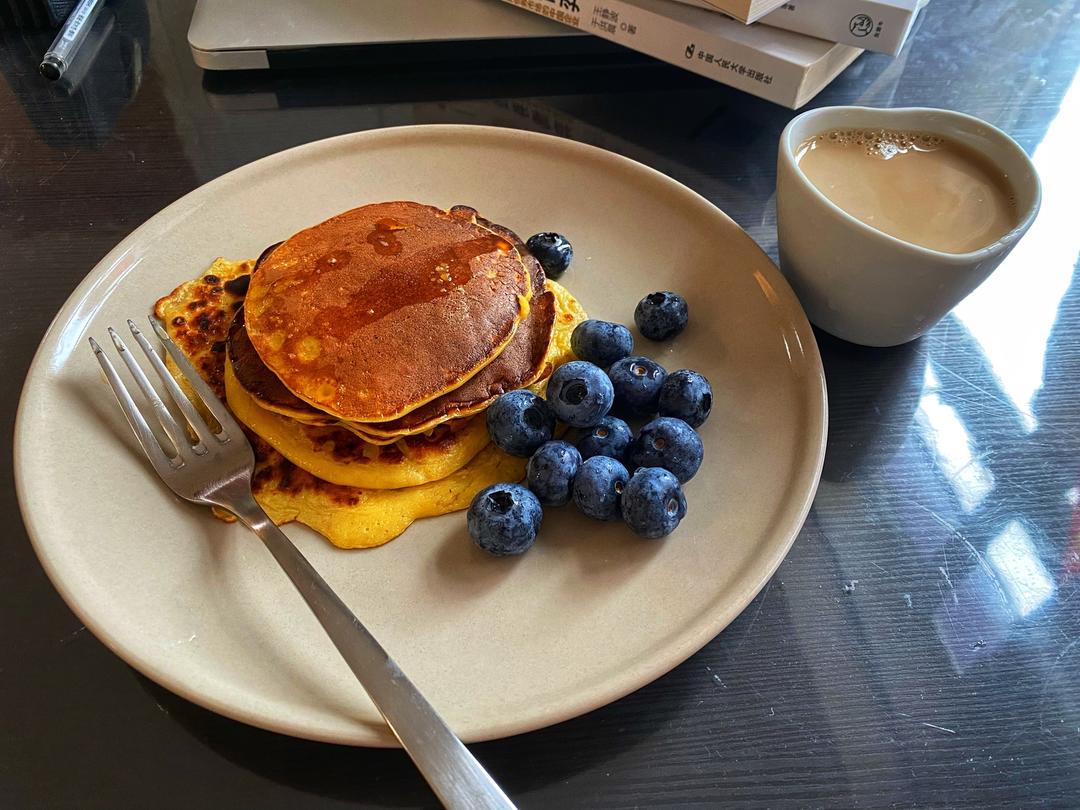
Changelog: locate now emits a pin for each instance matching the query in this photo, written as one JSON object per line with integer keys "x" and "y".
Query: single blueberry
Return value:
{"x": 686, "y": 395}
{"x": 550, "y": 472}
{"x": 653, "y": 503}
{"x": 553, "y": 251}
{"x": 599, "y": 486}
{"x": 637, "y": 382}
{"x": 503, "y": 519}
{"x": 611, "y": 437}
{"x": 661, "y": 315}
{"x": 601, "y": 342}
{"x": 580, "y": 394}
{"x": 669, "y": 443}
{"x": 519, "y": 422}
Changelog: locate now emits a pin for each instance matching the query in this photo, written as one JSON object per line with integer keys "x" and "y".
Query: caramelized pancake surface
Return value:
{"x": 197, "y": 314}
{"x": 384, "y": 308}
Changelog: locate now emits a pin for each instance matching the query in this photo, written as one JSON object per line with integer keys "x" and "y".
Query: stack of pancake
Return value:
{"x": 362, "y": 353}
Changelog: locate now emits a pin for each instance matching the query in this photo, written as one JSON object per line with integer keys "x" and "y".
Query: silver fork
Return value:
{"x": 213, "y": 466}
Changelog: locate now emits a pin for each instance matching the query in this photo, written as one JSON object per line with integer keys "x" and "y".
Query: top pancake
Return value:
{"x": 520, "y": 364}
{"x": 383, "y": 308}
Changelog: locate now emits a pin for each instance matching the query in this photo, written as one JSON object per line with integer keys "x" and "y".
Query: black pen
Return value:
{"x": 67, "y": 42}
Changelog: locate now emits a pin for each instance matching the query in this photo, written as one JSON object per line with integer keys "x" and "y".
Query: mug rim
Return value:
{"x": 1005, "y": 241}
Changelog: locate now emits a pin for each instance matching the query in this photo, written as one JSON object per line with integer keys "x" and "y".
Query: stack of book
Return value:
{"x": 785, "y": 51}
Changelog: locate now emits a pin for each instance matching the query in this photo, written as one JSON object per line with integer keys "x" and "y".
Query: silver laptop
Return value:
{"x": 259, "y": 34}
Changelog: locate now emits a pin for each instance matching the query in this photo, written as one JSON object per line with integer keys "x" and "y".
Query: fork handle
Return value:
{"x": 452, "y": 772}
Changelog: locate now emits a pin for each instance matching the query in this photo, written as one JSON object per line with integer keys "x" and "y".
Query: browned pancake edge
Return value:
{"x": 383, "y": 308}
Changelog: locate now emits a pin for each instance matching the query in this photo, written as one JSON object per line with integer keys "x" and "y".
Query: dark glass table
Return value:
{"x": 918, "y": 647}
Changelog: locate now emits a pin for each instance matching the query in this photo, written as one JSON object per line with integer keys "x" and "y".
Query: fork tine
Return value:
{"x": 177, "y": 435}
{"x": 135, "y": 418}
{"x": 217, "y": 408}
{"x": 194, "y": 418}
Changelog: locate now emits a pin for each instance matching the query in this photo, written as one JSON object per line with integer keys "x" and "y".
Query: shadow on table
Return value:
{"x": 387, "y": 777}
{"x": 873, "y": 395}
{"x": 611, "y": 69}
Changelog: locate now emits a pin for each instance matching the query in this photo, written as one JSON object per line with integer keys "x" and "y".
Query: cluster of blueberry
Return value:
{"x": 610, "y": 473}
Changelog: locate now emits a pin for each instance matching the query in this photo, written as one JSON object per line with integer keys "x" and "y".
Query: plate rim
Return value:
{"x": 690, "y": 640}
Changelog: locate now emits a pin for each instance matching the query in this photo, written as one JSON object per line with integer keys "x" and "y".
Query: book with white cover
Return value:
{"x": 874, "y": 25}
{"x": 781, "y": 66}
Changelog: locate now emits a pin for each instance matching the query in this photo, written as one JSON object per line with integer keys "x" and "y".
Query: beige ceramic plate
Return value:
{"x": 499, "y": 646}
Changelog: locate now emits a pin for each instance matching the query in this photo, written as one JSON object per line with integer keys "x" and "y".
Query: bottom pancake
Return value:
{"x": 339, "y": 457}
{"x": 360, "y": 518}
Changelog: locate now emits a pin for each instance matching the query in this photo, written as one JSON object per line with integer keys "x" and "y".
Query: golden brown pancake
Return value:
{"x": 519, "y": 365}
{"x": 383, "y": 308}
{"x": 362, "y": 518}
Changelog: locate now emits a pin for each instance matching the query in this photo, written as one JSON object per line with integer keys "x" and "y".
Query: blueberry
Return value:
{"x": 519, "y": 422}
{"x": 601, "y": 342}
{"x": 661, "y": 315}
{"x": 503, "y": 519}
{"x": 551, "y": 471}
{"x": 653, "y": 503}
{"x": 637, "y": 382}
{"x": 686, "y": 395}
{"x": 580, "y": 394}
{"x": 553, "y": 252}
{"x": 669, "y": 443}
{"x": 610, "y": 437}
{"x": 599, "y": 486}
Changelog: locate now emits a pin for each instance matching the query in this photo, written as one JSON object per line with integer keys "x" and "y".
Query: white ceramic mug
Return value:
{"x": 866, "y": 286}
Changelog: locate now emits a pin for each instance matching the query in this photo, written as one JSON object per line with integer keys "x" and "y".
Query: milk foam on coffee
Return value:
{"x": 918, "y": 187}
